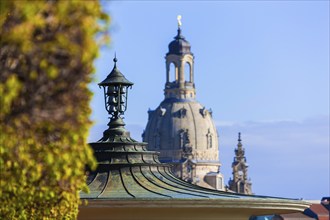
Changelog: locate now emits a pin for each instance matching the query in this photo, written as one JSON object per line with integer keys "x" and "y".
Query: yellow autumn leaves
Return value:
{"x": 47, "y": 53}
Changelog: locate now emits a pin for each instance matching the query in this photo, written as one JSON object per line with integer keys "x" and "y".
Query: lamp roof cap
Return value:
{"x": 115, "y": 77}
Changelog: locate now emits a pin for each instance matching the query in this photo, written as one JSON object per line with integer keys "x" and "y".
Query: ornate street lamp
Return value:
{"x": 115, "y": 88}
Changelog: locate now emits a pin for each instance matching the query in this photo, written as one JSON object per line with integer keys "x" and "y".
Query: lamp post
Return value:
{"x": 115, "y": 88}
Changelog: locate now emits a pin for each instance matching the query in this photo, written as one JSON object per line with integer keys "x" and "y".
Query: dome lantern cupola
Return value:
{"x": 179, "y": 69}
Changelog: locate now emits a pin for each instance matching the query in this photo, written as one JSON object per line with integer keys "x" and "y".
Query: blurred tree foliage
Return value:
{"x": 46, "y": 57}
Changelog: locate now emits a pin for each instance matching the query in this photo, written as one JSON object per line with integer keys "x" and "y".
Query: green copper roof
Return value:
{"x": 115, "y": 77}
{"x": 128, "y": 171}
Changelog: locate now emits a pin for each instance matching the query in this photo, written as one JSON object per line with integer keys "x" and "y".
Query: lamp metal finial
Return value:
{"x": 115, "y": 59}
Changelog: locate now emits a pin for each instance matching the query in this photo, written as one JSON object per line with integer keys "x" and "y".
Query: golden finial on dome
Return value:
{"x": 179, "y": 20}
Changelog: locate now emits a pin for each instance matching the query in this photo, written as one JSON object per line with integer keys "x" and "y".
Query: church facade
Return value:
{"x": 181, "y": 128}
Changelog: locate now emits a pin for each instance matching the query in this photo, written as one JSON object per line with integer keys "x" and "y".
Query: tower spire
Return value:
{"x": 239, "y": 152}
{"x": 240, "y": 182}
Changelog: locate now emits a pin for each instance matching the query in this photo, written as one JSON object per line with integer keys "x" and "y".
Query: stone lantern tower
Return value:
{"x": 182, "y": 129}
{"x": 240, "y": 182}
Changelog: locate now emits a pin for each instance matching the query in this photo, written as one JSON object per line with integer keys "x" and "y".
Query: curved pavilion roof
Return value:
{"x": 131, "y": 183}
{"x": 128, "y": 175}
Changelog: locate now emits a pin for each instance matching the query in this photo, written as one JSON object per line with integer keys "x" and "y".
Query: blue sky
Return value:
{"x": 263, "y": 68}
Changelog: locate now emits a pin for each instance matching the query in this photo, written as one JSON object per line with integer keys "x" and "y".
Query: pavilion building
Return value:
{"x": 131, "y": 183}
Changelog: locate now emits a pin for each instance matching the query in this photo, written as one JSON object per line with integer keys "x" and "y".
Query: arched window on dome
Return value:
{"x": 209, "y": 138}
{"x": 184, "y": 139}
{"x": 172, "y": 73}
{"x": 187, "y": 72}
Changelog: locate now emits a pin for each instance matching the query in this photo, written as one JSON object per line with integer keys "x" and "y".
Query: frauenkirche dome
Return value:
{"x": 182, "y": 129}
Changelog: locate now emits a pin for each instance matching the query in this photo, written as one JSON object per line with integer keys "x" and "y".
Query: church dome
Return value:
{"x": 182, "y": 129}
{"x": 179, "y": 45}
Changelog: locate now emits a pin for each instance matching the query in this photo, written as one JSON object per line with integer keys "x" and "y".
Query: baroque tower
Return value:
{"x": 240, "y": 182}
{"x": 180, "y": 128}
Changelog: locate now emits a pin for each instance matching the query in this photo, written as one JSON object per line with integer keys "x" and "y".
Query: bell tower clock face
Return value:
{"x": 240, "y": 173}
